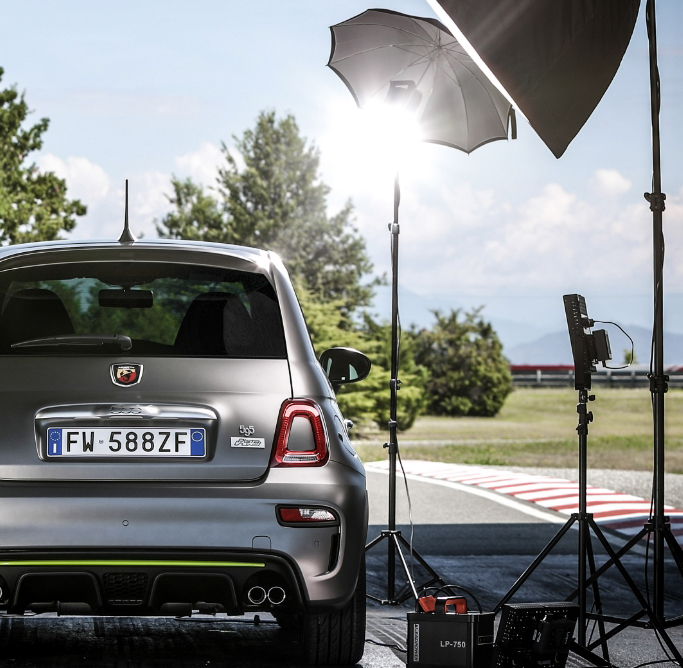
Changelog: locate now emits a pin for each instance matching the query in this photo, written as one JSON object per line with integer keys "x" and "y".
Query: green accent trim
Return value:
{"x": 134, "y": 562}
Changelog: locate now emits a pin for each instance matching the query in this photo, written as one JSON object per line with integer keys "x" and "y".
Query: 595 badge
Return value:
{"x": 246, "y": 440}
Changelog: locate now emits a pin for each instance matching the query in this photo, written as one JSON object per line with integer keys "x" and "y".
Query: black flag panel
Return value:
{"x": 555, "y": 58}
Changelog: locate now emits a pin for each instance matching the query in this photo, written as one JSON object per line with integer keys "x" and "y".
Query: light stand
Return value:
{"x": 659, "y": 524}
{"x": 588, "y": 348}
{"x": 395, "y": 541}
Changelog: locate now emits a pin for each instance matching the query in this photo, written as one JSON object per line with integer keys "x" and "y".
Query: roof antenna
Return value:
{"x": 126, "y": 236}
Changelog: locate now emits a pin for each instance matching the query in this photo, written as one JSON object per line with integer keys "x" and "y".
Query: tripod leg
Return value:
{"x": 654, "y": 619}
{"x": 676, "y": 550}
{"x": 584, "y": 653}
{"x": 391, "y": 569}
{"x": 436, "y": 579}
{"x": 535, "y": 563}
{"x": 584, "y": 539}
{"x": 420, "y": 559}
{"x": 596, "y": 598}
{"x": 610, "y": 562}
{"x": 374, "y": 542}
{"x": 396, "y": 538}
{"x": 617, "y": 629}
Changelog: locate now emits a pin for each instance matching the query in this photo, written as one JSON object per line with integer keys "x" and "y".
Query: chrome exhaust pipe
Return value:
{"x": 257, "y": 595}
{"x": 276, "y": 595}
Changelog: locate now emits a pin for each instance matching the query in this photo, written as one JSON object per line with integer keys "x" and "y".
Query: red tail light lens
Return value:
{"x": 300, "y": 409}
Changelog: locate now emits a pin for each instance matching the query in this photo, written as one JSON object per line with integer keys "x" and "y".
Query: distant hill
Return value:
{"x": 554, "y": 348}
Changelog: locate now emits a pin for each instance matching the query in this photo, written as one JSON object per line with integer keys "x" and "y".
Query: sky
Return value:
{"x": 145, "y": 90}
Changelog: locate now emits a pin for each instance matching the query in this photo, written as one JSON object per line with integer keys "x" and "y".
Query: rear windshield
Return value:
{"x": 169, "y": 310}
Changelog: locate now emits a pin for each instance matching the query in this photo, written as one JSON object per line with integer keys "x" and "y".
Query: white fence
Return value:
{"x": 603, "y": 378}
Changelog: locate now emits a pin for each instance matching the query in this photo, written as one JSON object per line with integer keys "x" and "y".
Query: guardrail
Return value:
{"x": 606, "y": 378}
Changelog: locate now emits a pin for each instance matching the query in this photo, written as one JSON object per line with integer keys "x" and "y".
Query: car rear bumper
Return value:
{"x": 50, "y": 528}
{"x": 143, "y": 582}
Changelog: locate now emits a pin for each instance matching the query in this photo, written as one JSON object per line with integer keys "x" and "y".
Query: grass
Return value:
{"x": 537, "y": 427}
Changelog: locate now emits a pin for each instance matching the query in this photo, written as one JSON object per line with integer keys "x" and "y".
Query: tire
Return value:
{"x": 337, "y": 638}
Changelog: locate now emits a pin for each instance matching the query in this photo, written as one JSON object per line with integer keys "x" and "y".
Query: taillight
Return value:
{"x": 300, "y": 409}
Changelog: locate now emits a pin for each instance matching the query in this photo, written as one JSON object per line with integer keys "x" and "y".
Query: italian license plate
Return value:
{"x": 124, "y": 442}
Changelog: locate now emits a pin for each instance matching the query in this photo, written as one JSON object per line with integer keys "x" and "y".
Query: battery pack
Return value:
{"x": 456, "y": 640}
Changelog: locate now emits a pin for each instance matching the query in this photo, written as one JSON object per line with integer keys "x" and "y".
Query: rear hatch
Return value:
{"x": 139, "y": 365}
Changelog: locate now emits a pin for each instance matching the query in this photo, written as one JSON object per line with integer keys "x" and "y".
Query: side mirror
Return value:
{"x": 345, "y": 365}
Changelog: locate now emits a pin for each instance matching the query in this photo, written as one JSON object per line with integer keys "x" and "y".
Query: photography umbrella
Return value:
{"x": 386, "y": 57}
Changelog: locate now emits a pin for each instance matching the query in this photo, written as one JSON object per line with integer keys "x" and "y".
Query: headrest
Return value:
{"x": 32, "y": 314}
{"x": 216, "y": 324}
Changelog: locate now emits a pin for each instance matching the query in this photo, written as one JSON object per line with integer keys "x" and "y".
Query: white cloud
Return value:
{"x": 465, "y": 240}
{"x": 611, "y": 183}
{"x": 202, "y": 165}
{"x": 91, "y": 184}
{"x": 456, "y": 238}
{"x": 85, "y": 180}
{"x": 149, "y": 202}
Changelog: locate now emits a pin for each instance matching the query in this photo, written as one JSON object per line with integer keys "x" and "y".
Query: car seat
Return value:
{"x": 216, "y": 324}
{"x": 33, "y": 313}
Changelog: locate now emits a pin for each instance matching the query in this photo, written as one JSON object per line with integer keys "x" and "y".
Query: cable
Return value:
{"x": 410, "y": 515}
{"x": 436, "y": 590}
{"x": 633, "y": 345}
{"x": 384, "y": 644}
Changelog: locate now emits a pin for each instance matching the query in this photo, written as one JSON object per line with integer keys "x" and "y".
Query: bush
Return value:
{"x": 367, "y": 400}
{"x": 467, "y": 372}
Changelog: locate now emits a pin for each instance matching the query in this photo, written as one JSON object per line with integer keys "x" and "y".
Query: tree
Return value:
{"x": 630, "y": 356}
{"x": 276, "y": 200}
{"x": 468, "y": 374}
{"x": 198, "y": 216}
{"x": 369, "y": 399}
{"x": 33, "y": 204}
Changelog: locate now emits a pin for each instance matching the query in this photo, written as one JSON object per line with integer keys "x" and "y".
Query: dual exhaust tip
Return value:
{"x": 258, "y": 595}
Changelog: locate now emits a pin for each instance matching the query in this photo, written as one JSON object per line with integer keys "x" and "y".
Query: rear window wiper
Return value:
{"x": 78, "y": 340}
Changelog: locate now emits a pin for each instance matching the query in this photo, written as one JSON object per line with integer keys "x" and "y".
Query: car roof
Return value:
{"x": 243, "y": 252}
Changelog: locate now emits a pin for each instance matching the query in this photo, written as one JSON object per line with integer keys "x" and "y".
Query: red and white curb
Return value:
{"x": 623, "y": 513}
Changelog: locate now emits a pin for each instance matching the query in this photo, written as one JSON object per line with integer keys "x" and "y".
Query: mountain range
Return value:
{"x": 554, "y": 348}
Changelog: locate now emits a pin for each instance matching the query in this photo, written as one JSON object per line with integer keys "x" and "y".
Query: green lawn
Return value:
{"x": 537, "y": 427}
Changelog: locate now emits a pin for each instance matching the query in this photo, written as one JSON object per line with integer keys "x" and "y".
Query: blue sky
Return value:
{"x": 148, "y": 89}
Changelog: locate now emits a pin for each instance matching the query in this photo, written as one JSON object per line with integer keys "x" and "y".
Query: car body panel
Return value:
{"x": 83, "y": 518}
{"x": 233, "y": 389}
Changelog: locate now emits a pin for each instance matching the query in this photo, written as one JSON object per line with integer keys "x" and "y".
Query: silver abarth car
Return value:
{"x": 170, "y": 444}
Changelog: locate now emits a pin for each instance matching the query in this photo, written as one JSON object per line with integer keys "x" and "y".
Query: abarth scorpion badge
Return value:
{"x": 126, "y": 375}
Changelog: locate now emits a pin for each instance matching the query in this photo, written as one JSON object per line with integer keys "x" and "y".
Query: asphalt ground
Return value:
{"x": 469, "y": 540}
{"x": 485, "y": 546}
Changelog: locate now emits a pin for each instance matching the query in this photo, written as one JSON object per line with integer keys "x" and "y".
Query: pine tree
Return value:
{"x": 33, "y": 204}
{"x": 276, "y": 200}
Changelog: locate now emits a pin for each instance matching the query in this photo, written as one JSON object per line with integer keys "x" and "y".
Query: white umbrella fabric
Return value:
{"x": 385, "y": 56}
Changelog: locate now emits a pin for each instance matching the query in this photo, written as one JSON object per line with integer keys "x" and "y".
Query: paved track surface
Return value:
{"x": 81, "y": 642}
{"x": 470, "y": 540}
